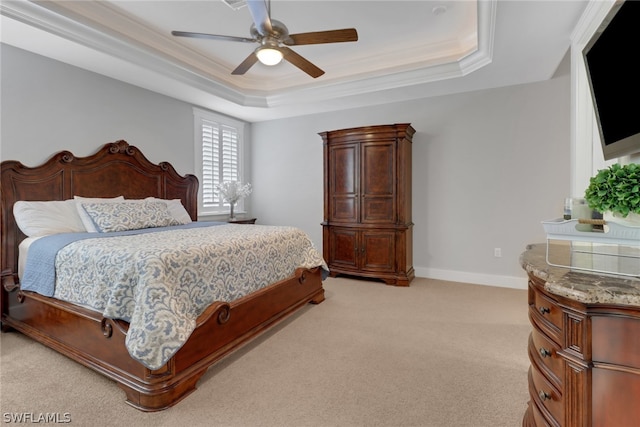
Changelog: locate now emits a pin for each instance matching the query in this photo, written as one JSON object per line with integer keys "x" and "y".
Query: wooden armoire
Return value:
{"x": 367, "y": 227}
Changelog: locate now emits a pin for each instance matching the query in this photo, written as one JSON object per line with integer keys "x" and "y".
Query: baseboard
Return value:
{"x": 475, "y": 278}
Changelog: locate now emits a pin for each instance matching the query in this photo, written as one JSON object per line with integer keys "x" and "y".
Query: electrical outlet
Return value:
{"x": 497, "y": 252}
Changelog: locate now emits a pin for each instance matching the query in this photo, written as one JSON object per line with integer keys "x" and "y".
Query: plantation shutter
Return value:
{"x": 220, "y": 160}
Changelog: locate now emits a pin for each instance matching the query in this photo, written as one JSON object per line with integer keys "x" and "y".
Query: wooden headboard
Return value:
{"x": 117, "y": 169}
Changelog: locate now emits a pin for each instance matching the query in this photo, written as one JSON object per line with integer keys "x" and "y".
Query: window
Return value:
{"x": 218, "y": 147}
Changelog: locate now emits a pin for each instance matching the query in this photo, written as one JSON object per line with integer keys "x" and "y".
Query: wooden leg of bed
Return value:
{"x": 318, "y": 298}
{"x": 162, "y": 398}
{"x": 5, "y": 328}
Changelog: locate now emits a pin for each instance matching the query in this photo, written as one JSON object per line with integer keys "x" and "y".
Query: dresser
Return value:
{"x": 584, "y": 346}
{"x": 367, "y": 226}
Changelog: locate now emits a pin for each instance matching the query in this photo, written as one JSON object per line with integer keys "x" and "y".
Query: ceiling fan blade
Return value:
{"x": 318, "y": 37}
{"x": 246, "y": 64}
{"x": 300, "y": 62}
{"x": 259, "y": 10}
{"x": 211, "y": 36}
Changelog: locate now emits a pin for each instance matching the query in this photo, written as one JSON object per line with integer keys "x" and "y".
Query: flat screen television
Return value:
{"x": 611, "y": 57}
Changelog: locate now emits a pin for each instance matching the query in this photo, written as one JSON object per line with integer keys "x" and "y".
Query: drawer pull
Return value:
{"x": 544, "y": 310}
{"x": 544, "y": 395}
{"x": 544, "y": 352}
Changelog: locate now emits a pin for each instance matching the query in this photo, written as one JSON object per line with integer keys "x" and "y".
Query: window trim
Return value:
{"x": 201, "y": 115}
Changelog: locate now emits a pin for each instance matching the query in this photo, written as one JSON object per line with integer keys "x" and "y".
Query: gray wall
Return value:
{"x": 48, "y": 106}
{"x": 488, "y": 165}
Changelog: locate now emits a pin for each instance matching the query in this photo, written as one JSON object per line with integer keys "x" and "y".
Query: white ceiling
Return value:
{"x": 406, "y": 49}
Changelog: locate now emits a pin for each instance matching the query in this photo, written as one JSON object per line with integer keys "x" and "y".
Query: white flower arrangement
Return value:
{"x": 232, "y": 191}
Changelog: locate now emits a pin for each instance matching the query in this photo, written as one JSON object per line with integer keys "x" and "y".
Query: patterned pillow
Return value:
{"x": 176, "y": 209}
{"x": 121, "y": 216}
{"x": 84, "y": 217}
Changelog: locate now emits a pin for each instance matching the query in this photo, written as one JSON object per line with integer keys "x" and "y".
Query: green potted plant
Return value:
{"x": 616, "y": 190}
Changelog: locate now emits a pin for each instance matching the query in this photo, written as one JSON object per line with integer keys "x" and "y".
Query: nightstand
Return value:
{"x": 242, "y": 221}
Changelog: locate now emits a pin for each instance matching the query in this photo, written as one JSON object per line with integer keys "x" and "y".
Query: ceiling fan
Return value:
{"x": 274, "y": 39}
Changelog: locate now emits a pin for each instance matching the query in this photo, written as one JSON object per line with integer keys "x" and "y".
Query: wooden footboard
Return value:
{"x": 98, "y": 343}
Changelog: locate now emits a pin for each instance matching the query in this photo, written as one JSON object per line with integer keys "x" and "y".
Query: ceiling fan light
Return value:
{"x": 269, "y": 56}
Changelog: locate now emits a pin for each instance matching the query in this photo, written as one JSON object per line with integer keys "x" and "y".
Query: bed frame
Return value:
{"x": 98, "y": 343}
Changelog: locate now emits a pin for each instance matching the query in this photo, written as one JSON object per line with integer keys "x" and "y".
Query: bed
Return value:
{"x": 99, "y": 342}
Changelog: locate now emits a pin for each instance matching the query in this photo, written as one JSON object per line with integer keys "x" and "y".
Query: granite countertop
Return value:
{"x": 585, "y": 287}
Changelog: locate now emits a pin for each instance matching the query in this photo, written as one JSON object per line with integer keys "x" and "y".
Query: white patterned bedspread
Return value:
{"x": 160, "y": 282}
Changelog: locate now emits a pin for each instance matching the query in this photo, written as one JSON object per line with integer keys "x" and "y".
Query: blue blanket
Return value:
{"x": 40, "y": 267}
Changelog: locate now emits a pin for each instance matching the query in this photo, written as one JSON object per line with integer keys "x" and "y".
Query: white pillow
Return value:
{"x": 84, "y": 217}
{"x": 50, "y": 217}
{"x": 176, "y": 209}
{"x": 129, "y": 215}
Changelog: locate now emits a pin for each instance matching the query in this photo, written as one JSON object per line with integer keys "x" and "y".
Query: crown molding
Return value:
{"x": 99, "y": 26}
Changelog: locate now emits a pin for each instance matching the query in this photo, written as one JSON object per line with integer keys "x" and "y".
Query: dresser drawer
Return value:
{"x": 616, "y": 340}
{"x": 544, "y": 353}
{"x": 545, "y": 312}
{"x": 540, "y": 420}
{"x": 545, "y": 395}
{"x": 614, "y": 400}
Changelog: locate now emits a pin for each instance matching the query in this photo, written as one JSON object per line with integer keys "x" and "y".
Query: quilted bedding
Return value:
{"x": 160, "y": 282}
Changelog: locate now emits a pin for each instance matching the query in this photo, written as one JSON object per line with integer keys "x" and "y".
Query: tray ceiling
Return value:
{"x": 405, "y": 50}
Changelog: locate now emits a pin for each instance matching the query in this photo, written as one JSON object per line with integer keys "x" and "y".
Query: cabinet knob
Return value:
{"x": 544, "y": 352}
{"x": 544, "y": 395}
{"x": 544, "y": 310}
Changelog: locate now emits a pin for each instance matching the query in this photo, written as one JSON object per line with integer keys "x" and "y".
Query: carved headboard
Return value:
{"x": 116, "y": 169}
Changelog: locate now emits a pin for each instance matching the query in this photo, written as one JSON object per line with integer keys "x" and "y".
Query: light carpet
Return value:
{"x": 435, "y": 354}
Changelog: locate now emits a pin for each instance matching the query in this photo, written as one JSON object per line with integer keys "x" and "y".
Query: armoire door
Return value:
{"x": 378, "y": 250}
{"x": 378, "y": 178}
{"x": 343, "y": 247}
{"x": 343, "y": 183}
{"x": 362, "y": 250}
